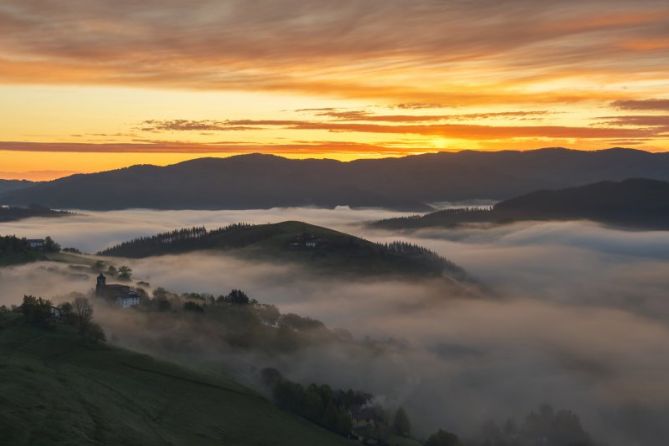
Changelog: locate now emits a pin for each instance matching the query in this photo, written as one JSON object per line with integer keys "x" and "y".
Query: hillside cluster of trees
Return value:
{"x": 179, "y": 240}
{"x": 14, "y": 250}
{"x": 319, "y": 404}
{"x": 122, "y": 273}
{"x": 345, "y": 412}
{"x": 349, "y": 413}
{"x": 230, "y": 321}
{"x": 545, "y": 426}
{"x": 42, "y": 313}
{"x": 429, "y": 259}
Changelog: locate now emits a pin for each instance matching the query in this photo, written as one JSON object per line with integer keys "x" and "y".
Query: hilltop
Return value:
{"x": 409, "y": 183}
{"x": 634, "y": 203}
{"x": 313, "y": 246}
{"x": 57, "y": 389}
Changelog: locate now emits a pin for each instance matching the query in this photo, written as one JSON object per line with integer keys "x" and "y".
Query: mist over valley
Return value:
{"x": 573, "y": 315}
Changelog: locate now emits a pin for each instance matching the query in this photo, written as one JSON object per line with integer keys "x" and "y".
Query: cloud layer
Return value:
{"x": 323, "y": 45}
{"x": 577, "y": 317}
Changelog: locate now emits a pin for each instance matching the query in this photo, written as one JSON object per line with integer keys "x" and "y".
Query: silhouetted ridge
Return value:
{"x": 410, "y": 183}
{"x": 639, "y": 203}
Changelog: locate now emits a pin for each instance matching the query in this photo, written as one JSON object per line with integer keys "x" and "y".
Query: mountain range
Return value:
{"x": 10, "y": 185}
{"x": 410, "y": 183}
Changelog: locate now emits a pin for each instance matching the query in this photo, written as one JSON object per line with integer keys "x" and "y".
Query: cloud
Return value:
{"x": 351, "y": 48}
{"x": 459, "y": 131}
{"x": 189, "y": 125}
{"x": 638, "y": 120}
{"x": 313, "y": 148}
{"x": 643, "y": 104}
{"x": 482, "y": 132}
{"x": 360, "y": 115}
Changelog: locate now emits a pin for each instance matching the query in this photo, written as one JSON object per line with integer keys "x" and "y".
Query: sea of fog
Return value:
{"x": 577, "y": 314}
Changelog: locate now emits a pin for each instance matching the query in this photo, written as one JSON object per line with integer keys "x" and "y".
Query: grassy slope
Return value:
{"x": 55, "y": 390}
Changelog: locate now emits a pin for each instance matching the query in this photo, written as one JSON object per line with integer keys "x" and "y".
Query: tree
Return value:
{"x": 112, "y": 271}
{"x": 330, "y": 417}
{"x": 193, "y": 307}
{"x": 237, "y": 297}
{"x": 37, "y": 311}
{"x": 162, "y": 304}
{"x": 401, "y": 423}
{"x": 67, "y": 313}
{"x": 344, "y": 423}
{"x": 270, "y": 377}
{"x": 313, "y": 405}
{"x": 50, "y": 245}
{"x": 268, "y": 314}
{"x": 94, "y": 333}
{"x": 83, "y": 314}
{"x": 98, "y": 266}
{"x": 124, "y": 273}
{"x": 443, "y": 438}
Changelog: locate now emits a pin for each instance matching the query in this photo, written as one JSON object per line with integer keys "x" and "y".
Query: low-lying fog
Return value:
{"x": 577, "y": 316}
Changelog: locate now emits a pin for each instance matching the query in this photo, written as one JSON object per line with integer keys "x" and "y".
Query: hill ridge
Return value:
{"x": 318, "y": 248}
{"x": 640, "y": 203}
{"x": 412, "y": 183}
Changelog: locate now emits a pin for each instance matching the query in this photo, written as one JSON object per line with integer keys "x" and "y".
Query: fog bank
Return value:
{"x": 578, "y": 316}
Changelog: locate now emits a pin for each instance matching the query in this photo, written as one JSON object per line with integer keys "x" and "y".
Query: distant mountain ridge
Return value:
{"x": 636, "y": 203}
{"x": 410, "y": 183}
{"x": 10, "y": 185}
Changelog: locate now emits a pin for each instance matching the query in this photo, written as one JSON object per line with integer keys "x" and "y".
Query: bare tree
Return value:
{"x": 83, "y": 313}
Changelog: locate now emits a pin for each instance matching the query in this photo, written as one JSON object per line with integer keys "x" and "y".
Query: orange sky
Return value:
{"x": 88, "y": 85}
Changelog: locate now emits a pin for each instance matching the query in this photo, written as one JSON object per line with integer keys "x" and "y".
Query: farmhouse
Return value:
{"x": 37, "y": 244}
{"x": 121, "y": 295}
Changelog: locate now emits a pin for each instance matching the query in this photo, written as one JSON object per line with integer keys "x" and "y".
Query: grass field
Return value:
{"x": 57, "y": 390}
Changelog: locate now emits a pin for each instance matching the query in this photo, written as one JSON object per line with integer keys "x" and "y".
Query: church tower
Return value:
{"x": 101, "y": 284}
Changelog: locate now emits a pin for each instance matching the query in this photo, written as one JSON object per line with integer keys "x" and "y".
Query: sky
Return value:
{"x": 90, "y": 85}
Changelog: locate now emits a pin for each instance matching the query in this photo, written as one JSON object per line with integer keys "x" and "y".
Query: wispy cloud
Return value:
{"x": 643, "y": 104}
{"x": 347, "y": 48}
{"x": 459, "y": 131}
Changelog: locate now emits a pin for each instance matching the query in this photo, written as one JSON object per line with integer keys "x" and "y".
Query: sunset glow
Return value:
{"x": 89, "y": 85}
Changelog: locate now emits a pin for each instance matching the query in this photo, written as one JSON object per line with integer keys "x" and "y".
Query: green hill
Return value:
{"x": 316, "y": 247}
{"x": 55, "y": 389}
